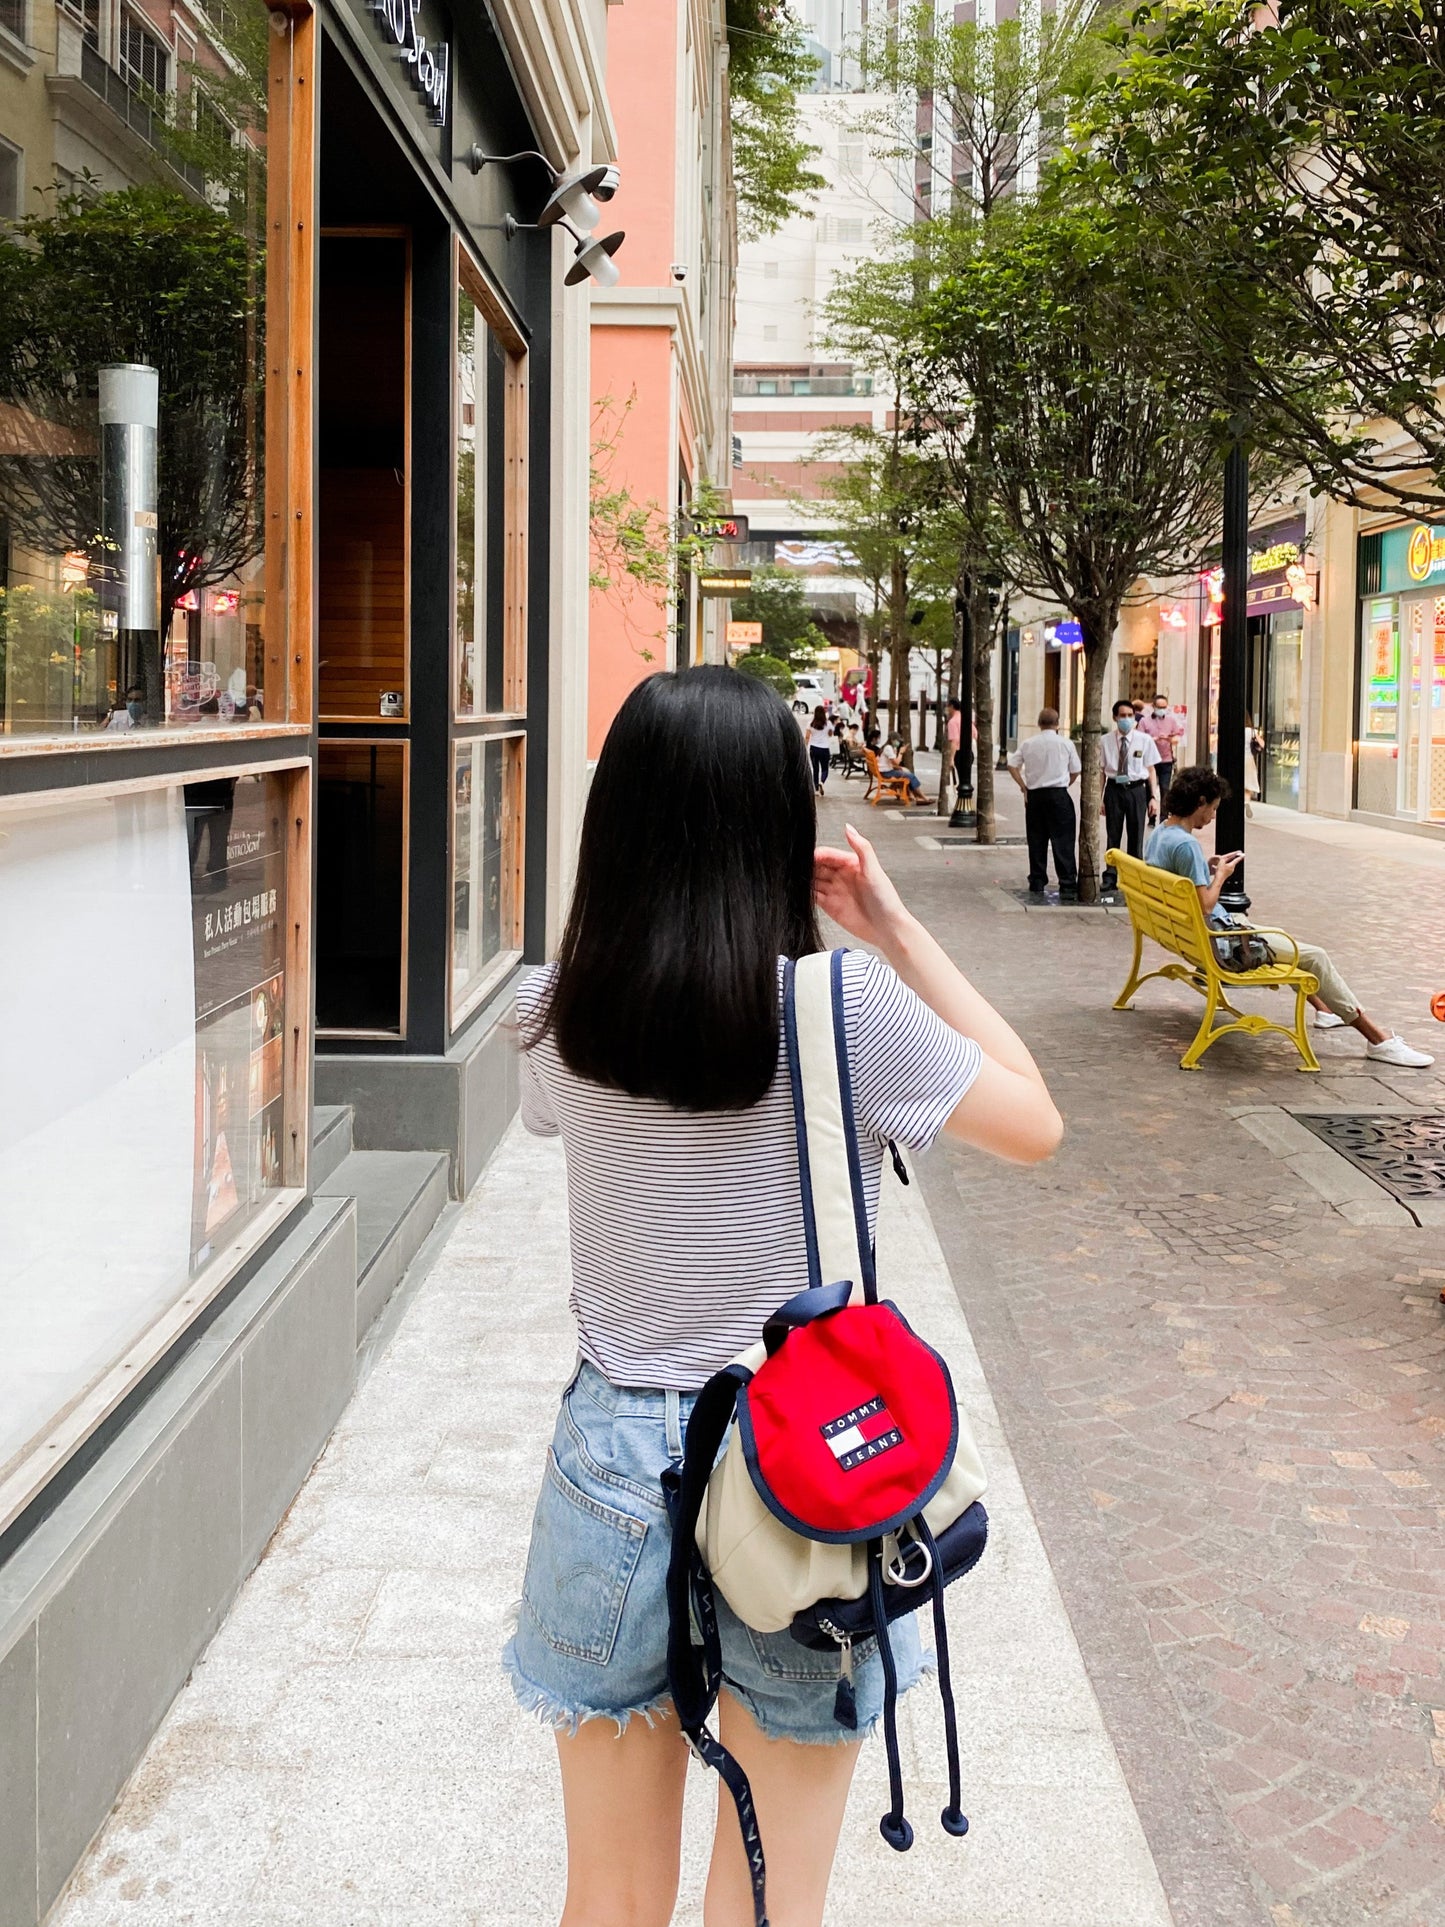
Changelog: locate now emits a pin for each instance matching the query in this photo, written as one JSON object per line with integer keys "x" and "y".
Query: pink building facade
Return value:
{"x": 662, "y": 338}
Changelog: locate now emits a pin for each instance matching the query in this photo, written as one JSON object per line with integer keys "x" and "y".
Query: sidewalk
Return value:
{"x": 348, "y": 1753}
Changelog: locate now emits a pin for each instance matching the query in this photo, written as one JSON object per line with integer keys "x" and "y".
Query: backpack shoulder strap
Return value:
{"x": 835, "y": 1215}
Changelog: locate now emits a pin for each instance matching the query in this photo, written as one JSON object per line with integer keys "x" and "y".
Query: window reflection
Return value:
{"x": 486, "y": 858}
{"x": 132, "y": 333}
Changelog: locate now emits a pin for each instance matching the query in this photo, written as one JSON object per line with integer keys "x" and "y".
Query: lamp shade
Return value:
{"x": 594, "y": 258}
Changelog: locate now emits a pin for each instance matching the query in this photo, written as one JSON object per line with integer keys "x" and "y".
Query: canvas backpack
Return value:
{"x": 829, "y": 1482}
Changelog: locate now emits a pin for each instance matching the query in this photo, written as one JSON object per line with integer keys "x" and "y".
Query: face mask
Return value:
{"x": 1159, "y": 710}
{"x": 1126, "y": 723}
{"x": 135, "y": 711}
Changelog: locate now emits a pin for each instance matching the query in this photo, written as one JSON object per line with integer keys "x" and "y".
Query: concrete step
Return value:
{"x": 331, "y": 1140}
{"x": 399, "y": 1197}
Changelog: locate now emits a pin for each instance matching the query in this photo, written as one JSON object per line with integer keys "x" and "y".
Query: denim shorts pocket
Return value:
{"x": 783, "y": 1657}
{"x": 581, "y": 1562}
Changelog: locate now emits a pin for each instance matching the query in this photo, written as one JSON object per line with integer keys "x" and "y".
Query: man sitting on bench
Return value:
{"x": 1194, "y": 797}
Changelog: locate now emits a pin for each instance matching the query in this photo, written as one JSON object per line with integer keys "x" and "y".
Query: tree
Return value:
{"x": 779, "y": 601}
{"x": 769, "y": 669}
{"x": 1052, "y": 396}
{"x": 1293, "y": 168}
{"x": 915, "y": 519}
{"x": 140, "y": 275}
{"x": 998, "y": 94}
{"x": 768, "y": 67}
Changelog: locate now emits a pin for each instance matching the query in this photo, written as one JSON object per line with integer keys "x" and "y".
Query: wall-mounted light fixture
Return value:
{"x": 572, "y": 204}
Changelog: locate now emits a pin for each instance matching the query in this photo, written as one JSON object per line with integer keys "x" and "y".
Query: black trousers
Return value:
{"x": 1049, "y": 819}
{"x": 822, "y": 761}
{"x": 1126, "y": 808}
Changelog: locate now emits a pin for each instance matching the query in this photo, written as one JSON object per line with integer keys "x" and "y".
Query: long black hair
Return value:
{"x": 695, "y": 875}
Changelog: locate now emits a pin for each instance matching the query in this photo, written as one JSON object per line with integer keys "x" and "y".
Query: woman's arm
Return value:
{"x": 1007, "y": 1110}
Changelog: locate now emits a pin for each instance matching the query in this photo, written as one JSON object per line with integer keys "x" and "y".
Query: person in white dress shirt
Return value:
{"x": 1045, "y": 768}
{"x": 1130, "y": 786}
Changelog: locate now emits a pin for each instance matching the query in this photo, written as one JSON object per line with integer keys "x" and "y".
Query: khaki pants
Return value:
{"x": 1335, "y": 993}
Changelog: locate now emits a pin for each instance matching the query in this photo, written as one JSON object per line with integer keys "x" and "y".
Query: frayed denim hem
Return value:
{"x": 836, "y": 1735}
{"x": 567, "y": 1720}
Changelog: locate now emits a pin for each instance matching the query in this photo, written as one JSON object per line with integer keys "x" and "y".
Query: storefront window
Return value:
{"x": 486, "y": 865}
{"x": 1281, "y": 723}
{"x": 144, "y": 1127}
{"x": 133, "y": 406}
{"x": 1378, "y": 779}
{"x": 490, "y": 440}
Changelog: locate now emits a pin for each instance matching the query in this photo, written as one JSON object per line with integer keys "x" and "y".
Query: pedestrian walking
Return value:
{"x": 1130, "y": 760}
{"x": 1194, "y": 798}
{"x": 820, "y": 749}
{"x": 1165, "y": 728}
{"x": 1045, "y": 767}
{"x": 953, "y": 731}
{"x": 653, "y": 1047}
{"x": 1253, "y": 750}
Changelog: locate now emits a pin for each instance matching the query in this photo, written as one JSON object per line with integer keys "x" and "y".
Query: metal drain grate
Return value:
{"x": 1403, "y": 1152}
{"x": 972, "y": 843}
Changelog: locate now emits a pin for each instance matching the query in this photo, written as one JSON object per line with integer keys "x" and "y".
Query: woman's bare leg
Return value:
{"x": 623, "y": 1800}
{"x": 800, "y": 1793}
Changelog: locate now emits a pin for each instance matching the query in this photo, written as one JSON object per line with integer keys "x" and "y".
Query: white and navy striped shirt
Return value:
{"x": 687, "y": 1227}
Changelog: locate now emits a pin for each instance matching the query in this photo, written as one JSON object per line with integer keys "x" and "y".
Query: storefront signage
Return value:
{"x": 428, "y": 67}
{"x": 720, "y": 528}
{"x": 1425, "y": 554}
{"x": 1410, "y": 557}
{"x": 1064, "y": 635}
{"x": 745, "y": 635}
{"x": 733, "y": 582}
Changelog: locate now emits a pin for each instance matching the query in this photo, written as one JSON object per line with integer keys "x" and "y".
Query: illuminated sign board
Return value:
{"x": 726, "y": 582}
{"x": 429, "y": 67}
{"x": 720, "y": 528}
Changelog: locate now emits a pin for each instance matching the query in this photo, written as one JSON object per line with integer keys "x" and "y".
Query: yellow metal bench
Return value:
{"x": 1166, "y": 909}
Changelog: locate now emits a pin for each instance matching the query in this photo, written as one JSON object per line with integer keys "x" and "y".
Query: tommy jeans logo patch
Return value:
{"x": 860, "y": 1435}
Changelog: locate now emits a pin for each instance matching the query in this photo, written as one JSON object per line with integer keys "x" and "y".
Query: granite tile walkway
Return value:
{"x": 348, "y": 1754}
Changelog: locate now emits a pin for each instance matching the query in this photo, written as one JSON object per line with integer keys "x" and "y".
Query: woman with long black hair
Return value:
{"x": 820, "y": 748}
{"x": 652, "y": 1046}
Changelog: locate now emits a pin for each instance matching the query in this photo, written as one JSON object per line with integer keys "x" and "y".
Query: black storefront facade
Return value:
{"x": 276, "y": 686}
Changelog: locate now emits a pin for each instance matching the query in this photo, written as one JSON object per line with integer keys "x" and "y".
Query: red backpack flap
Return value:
{"x": 850, "y": 1427}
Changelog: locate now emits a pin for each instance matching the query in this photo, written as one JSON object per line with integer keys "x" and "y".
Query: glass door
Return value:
{"x": 1431, "y": 800}
{"x": 1416, "y": 614}
{"x": 1284, "y": 675}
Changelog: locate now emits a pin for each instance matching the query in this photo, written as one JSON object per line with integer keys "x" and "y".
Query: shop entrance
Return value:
{"x": 1275, "y": 683}
{"x": 363, "y": 601}
{"x": 1422, "y": 710}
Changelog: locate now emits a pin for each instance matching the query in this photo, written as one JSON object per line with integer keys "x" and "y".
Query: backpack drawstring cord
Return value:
{"x": 893, "y": 1826}
{"x": 955, "y": 1820}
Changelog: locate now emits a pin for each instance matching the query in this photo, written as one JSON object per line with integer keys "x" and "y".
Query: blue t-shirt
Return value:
{"x": 1171, "y": 847}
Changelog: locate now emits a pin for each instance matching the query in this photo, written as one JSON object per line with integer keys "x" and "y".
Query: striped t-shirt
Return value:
{"x": 687, "y": 1227}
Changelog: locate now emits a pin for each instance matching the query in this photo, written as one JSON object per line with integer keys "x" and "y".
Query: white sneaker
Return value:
{"x": 1326, "y": 1020}
{"x": 1396, "y": 1051}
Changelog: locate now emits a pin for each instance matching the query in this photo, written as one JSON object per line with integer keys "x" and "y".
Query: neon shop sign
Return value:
{"x": 429, "y": 67}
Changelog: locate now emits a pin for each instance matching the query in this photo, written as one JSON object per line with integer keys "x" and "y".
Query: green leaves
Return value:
{"x": 1298, "y": 165}
{"x": 767, "y": 69}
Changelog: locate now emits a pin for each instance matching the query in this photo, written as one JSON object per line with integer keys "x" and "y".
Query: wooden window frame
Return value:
{"x": 468, "y": 275}
{"x": 52, "y": 1449}
{"x": 402, "y": 743}
{"x": 288, "y": 507}
{"x": 383, "y": 232}
{"x": 514, "y": 805}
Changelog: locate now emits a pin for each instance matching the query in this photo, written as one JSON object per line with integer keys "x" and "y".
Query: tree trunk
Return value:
{"x": 1098, "y": 642}
{"x": 983, "y": 630}
{"x": 954, "y": 685}
{"x": 898, "y": 646}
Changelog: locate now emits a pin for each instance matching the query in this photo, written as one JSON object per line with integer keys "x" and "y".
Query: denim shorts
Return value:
{"x": 591, "y": 1637}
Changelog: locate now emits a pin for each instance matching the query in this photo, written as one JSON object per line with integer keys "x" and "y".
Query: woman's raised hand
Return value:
{"x": 852, "y": 887}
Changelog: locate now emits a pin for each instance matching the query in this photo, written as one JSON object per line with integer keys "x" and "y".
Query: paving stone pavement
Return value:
{"x": 1225, "y": 1397}
{"x": 348, "y": 1752}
